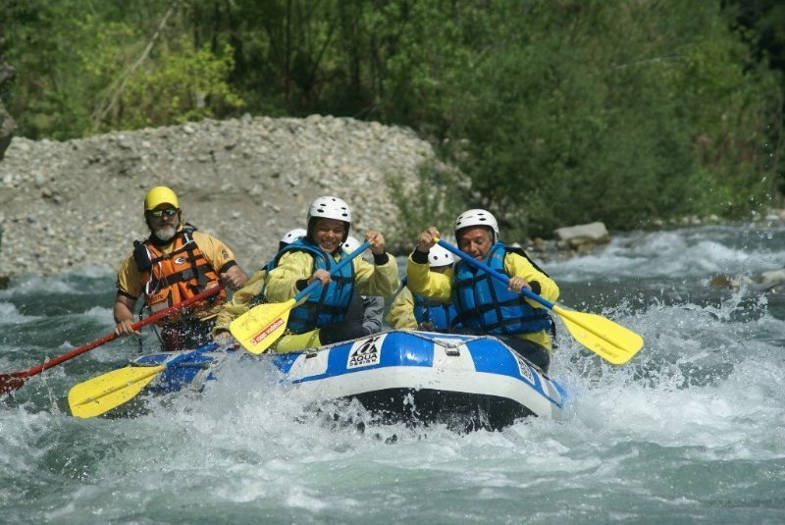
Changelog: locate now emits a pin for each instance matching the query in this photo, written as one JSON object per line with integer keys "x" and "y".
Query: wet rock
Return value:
{"x": 724, "y": 281}
{"x": 759, "y": 283}
{"x": 768, "y": 280}
{"x": 583, "y": 234}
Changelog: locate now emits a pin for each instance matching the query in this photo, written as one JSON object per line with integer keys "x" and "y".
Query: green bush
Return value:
{"x": 182, "y": 84}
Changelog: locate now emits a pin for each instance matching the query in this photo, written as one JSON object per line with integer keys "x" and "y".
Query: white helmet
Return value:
{"x": 350, "y": 244}
{"x": 293, "y": 235}
{"x": 330, "y": 208}
{"x": 477, "y": 217}
{"x": 438, "y": 256}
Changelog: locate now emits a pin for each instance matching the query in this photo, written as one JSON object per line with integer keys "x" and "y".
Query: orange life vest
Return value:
{"x": 176, "y": 276}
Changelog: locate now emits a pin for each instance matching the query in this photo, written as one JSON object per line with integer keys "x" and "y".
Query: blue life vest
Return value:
{"x": 326, "y": 305}
{"x": 442, "y": 316}
{"x": 484, "y": 303}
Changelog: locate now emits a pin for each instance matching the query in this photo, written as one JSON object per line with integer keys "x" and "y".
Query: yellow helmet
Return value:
{"x": 160, "y": 195}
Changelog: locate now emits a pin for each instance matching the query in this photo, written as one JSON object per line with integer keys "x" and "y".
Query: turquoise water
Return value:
{"x": 691, "y": 430}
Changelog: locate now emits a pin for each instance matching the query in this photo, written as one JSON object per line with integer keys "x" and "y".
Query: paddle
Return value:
{"x": 100, "y": 394}
{"x": 14, "y": 380}
{"x": 609, "y": 340}
{"x": 262, "y": 325}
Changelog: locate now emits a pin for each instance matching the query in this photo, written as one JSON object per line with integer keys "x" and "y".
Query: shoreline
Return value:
{"x": 78, "y": 203}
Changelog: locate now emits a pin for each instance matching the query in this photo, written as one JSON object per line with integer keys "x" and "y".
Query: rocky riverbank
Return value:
{"x": 75, "y": 204}
{"x": 66, "y": 205}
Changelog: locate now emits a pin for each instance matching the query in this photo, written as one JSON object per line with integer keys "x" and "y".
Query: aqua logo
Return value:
{"x": 366, "y": 352}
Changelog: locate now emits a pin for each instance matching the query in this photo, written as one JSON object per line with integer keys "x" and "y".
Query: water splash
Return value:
{"x": 689, "y": 430}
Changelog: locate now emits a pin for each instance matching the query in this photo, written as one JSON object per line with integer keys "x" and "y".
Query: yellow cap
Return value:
{"x": 160, "y": 195}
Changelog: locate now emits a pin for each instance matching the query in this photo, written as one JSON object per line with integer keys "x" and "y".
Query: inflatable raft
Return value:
{"x": 398, "y": 375}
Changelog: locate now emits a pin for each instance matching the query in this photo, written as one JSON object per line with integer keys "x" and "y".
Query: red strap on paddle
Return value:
{"x": 14, "y": 380}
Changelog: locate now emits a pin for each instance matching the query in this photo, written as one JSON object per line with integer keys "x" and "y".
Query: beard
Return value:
{"x": 165, "y": 233}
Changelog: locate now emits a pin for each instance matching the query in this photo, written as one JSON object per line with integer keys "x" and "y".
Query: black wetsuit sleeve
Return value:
{"x": 420, "y": 257}
{"x": 227, "y": 266}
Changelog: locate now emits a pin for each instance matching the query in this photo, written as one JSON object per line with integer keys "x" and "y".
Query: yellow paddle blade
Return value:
{"x": 103, "y": 393}
{"x": 609, "y": 340}
{"x": 262, "y": 325}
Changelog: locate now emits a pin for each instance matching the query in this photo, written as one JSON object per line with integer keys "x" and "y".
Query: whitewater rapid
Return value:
{"x": 690, "y": 430}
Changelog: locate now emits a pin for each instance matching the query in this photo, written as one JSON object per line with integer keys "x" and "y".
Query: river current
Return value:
{"x": 692, "y": 429}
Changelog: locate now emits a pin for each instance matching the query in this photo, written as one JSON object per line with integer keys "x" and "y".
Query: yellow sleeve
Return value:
{"x": 292, "y": 267}
{"x": 129, "y": 279}
{"x": 517, "y": 265}
{"x": 401, "y": 314}
{"x": 371, "y": 279}
{"x": 215, "y": 251}
{"x": 240, "y": 302}
{"x": 422, "y": 281}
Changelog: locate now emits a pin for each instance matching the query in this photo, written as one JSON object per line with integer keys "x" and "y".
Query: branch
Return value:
{"x": 100, "y": 114}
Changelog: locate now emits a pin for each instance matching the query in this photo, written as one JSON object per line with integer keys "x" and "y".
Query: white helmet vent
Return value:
{"x": 330, "y": 207}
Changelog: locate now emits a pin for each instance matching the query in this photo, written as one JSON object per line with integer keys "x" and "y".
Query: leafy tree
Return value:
{"x": 97, "y": 66}
{"x": 604, "y": 120}
{"x": 181, "y": 84}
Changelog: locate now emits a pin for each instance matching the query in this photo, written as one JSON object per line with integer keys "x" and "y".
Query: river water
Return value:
{"x": 691, "y": 430}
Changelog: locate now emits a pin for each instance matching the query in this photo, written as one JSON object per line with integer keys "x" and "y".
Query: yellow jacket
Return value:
{"x": 239, "y": 303}
{"x": 369, "y": 279}
{"x": 439, "y": 286}
{"x": 401, "y": 314}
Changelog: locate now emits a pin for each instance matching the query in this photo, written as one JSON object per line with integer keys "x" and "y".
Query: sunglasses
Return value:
{"x": 169, "y": 212}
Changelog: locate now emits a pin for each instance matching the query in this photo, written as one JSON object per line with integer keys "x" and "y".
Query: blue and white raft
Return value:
{"x": 399, "y": 375}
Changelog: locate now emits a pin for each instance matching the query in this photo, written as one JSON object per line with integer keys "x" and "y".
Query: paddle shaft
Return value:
{"x": 105, "y": 339}
{"x": 497, "y": 275}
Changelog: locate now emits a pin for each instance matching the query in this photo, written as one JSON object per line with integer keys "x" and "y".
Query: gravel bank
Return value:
{"x": 66, "y": 205}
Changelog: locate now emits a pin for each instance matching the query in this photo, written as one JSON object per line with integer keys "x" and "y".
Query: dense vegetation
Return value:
{"x": 558, "y": 111}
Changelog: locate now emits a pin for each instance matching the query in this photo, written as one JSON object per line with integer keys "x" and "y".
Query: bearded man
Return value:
{"x": 174, "y": 263}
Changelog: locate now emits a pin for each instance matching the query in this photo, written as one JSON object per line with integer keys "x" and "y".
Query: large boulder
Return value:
{"x": 583, "y": 237}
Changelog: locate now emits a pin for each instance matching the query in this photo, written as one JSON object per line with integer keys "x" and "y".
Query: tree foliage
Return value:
{"x": 638, "y": 111}
{"x": 559, "y": 112}
{"x": 86, "y": 67}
